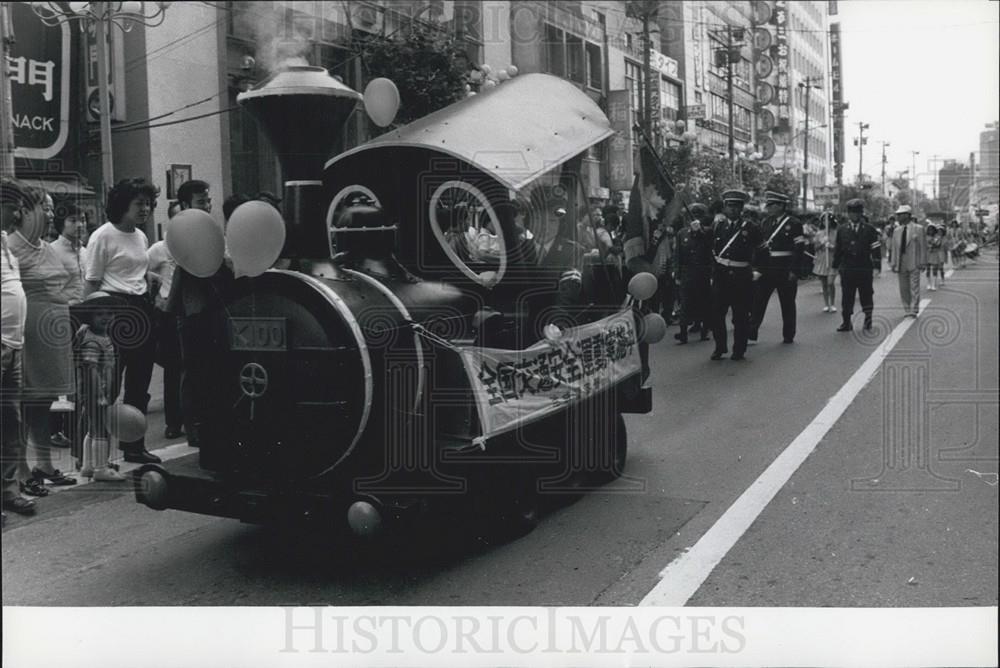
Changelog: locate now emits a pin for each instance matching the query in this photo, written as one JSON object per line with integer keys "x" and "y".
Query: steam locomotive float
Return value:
{"x": 447, "y": 330}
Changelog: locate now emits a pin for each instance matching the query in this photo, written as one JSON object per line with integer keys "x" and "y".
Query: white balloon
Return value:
{"x": 255, "y": 236}
{"x": 195, "y": 241}
{"x": 502, "y": 75}
{"x": 381, "y": 101}
{"x": 642, "y": 286}
{"x": 486, "y": 69}
{"x": 489, "y": 83}
{"x": 512, "y": 71}
{"x": 654, "y": 328}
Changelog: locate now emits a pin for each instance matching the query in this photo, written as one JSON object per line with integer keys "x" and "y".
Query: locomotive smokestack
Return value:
{"x": 302, "y": 110}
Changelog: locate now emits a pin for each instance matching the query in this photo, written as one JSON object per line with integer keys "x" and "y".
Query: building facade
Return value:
{"x": 987, "y": 177}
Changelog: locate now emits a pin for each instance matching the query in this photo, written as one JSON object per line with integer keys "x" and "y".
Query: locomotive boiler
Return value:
{"x": 444, "y": 326}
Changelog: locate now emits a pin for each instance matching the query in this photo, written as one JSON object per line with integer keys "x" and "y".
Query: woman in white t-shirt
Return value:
{"x": 117, "y": 264}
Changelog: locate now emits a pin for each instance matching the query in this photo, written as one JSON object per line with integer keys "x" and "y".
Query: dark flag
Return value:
{"x": 651, "y": 205}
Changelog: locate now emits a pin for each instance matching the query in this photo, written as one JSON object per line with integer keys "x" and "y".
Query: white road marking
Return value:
{"x": 684, "y": 575}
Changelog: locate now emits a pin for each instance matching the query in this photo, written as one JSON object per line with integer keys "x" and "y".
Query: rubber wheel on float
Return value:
{"x": 617, "y": 443}
{"x": 514, "y": 509}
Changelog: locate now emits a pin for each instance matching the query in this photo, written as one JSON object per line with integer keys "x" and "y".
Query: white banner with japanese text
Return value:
{"x": 515, "y": 387}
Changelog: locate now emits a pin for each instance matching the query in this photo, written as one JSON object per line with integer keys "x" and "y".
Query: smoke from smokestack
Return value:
{"x": 283, "y": 41}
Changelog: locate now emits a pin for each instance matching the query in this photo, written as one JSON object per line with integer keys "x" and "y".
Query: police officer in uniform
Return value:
{"x": 694, "y": 272}
{"x": 857, "y": 253}
{"x": 733, "y": 245}
{"x": 778, "y": 260}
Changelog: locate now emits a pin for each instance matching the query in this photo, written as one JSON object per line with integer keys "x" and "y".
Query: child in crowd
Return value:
{"x": 98, "y": 376}
{"x": 935, "y": 256}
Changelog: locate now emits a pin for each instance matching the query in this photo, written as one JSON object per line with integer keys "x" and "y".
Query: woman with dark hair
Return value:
{"x": 48, "y": 335}
{"x": 117, "y": 264}
{"x": 824, "y": 241}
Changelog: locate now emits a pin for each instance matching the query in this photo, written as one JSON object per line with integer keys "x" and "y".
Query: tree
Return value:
{"x": 429, "y": 67}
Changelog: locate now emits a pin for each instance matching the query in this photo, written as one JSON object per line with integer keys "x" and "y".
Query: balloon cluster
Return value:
{"x": 254, "y": 237}
{"x": 487, "y": 77}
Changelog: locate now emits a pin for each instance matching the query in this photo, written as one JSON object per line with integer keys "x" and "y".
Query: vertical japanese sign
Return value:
{"x": 620, "y": 144}
{"x": 780, "y": 21}
{"x": 39, "y": 77}
{"x": 837, "y": 96}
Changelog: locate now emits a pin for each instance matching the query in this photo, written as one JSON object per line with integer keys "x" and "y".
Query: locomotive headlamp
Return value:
{"x": 364, "y": 519}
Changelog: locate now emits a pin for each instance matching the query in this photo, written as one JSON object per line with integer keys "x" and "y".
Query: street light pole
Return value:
{"x": 860, "y": 143}
{"x": 808, "y": 85}
{"x": 107, "y": 158}
{"x": 913, "y": 173}
{"x": 884, "y": 144}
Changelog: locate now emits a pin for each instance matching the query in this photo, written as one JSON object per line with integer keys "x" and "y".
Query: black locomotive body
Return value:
{"x": 345, "y": 383}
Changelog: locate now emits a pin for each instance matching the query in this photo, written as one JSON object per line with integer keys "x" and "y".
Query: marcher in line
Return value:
{"x": 936, "y": 253}
{"x": 694, "y": 274}
{"x": 909, "y": 258}
{"x": 857, "y": 254}
{"x": 778, "y": 260}
{"x": 734, "y": 242}
{"x": 824, "y": 242}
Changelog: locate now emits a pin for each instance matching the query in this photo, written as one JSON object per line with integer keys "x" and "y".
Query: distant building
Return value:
{"x": 987, "y": 178}
{"x": 954, "y": 184}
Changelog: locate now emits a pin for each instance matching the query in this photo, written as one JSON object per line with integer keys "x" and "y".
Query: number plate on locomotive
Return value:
{"x": 257, "y": 334}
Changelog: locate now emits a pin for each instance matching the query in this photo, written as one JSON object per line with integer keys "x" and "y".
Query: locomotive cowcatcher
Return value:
{"x": 447, "y": 326}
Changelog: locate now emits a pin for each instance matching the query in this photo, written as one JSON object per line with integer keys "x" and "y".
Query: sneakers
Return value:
{"x": 826, "y": 309}
{"x": 833, "y": 309}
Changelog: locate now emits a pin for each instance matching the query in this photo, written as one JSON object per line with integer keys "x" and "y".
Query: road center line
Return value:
{"x": 684, "y": 575}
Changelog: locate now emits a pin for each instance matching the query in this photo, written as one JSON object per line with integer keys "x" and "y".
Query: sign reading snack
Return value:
{"x": 39, "y": 75}
{"x": 516, "y": 387}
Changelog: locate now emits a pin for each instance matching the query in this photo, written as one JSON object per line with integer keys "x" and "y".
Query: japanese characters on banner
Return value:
{"x": 620, "y": 144}
{"x": 516, "y": 387}
{"x": 40, "y": 82}
{"x": 782, "y": 90}
{"x": 836, "y": 94}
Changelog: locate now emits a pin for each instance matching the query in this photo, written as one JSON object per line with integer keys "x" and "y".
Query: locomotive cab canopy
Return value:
{"x": 484, "y": 190}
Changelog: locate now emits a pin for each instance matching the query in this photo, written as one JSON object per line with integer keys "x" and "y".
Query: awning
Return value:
{"x": 61, "y": 189}
{"x": 514, "y": 132}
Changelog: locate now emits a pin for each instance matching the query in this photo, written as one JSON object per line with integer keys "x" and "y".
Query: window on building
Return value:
{"x": 555, "y": 51}
{"x": 595, "y": 67}
{"x": 720, "y": 108}
{"x": 670, "y": 99}
{"x": 576, "y": 69}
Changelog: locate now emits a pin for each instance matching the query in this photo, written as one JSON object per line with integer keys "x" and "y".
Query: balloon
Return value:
{"x": 475, "y": 75}
{"x": 680, "y": 126}
{"x": 512, "y": 71}
{"x": 125, "y": 422}
{"x": 255, "y": 236}
{"x": 642, "y": 286}
{"x": 502, "y": 75}
{"x": 486, "y": 69}
{"x": 195, "y": 241}
{"x": 381, "y": 101}
{"x": 654, "y": 328}
{"x": 489, "y": 83}
{"x": 470, "y": 93}
{"x": 689, "y": 136}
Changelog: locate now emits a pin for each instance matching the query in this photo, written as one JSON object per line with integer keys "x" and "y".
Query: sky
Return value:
{"x": 924, "y": 75}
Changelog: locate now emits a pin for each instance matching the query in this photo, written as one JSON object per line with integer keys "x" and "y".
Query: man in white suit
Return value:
{"x": 909, "y": 256}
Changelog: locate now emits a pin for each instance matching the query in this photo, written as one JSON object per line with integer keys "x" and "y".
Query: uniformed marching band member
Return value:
{"x": 857, "y": 253}
{"x": 694, "y": 272}
{"x": 733, "y": 245}
{"x": 778, "y": 260}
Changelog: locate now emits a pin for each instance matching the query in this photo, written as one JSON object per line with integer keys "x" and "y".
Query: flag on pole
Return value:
{"x": 648, "y": 205}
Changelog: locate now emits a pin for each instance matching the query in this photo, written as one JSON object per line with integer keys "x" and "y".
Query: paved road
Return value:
{"x": 886, "y": 511}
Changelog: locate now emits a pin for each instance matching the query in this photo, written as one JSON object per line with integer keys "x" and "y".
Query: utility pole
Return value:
{"x": 934, "y": 167}
{"x": 913, "y": 173}
{"x": 729, "y": 92}
{"x": 884, "y": 144}
{"x": 6, "y": 105}
{"x": 644, "y": 10}
{"x": 860, "y": 143}
{"x": 808, "y": 85}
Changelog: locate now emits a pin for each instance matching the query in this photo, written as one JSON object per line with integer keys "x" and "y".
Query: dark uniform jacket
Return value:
{"x": 857, "y": 250}
{"x": 786, "y": 245}
{"x": 693, "y": 254}
{"x": 742, "y": 249}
